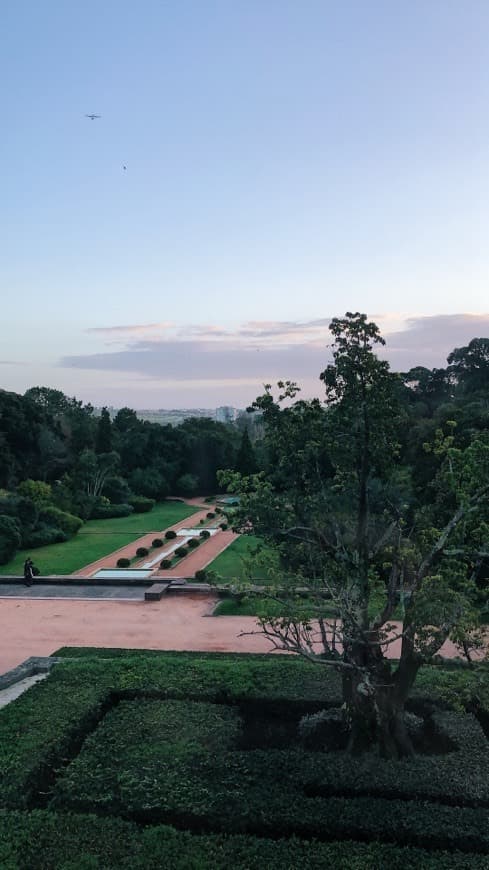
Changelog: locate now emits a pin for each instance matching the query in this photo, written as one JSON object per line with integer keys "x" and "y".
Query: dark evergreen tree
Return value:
{"x": 246, "y": 460}
{"x": 103, "y": 441}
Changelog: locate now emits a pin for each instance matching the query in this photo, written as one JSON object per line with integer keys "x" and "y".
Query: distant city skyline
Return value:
{"x": 258, "y": 167}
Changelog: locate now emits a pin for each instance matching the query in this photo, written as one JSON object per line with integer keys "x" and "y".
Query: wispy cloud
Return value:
{"x": 256, "y": 352}
{"x": 131, "y": 329}
{"x": 429, "y": 340}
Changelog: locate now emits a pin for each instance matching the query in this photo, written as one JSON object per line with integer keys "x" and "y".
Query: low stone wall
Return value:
{"x": 28, "y": 668}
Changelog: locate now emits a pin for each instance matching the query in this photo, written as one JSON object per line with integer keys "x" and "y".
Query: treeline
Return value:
{"x": 61, "y": 464}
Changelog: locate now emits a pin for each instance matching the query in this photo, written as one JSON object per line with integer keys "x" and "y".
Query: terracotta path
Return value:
{"x": 33, "y": 627}
{"x": 36, "y": 627}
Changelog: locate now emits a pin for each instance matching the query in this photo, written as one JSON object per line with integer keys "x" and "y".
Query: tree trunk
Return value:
{"x": 377, "y": 721}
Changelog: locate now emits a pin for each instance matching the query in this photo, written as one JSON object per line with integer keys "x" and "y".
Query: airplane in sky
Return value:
{"x": 92, "y": 117}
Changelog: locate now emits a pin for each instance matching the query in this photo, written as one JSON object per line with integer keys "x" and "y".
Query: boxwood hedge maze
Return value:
{"x": 187, "y": 760}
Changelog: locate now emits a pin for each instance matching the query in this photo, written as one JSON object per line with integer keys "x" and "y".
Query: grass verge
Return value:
{"x": 99, "y": 538}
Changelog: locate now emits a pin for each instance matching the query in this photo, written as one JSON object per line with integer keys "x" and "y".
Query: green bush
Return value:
{"x": 142, "y": 551}
{"x": 210, "y": 515}
{"x": 166, "y": 564}
{"x": 223, "y": 526}
{"x": 43, "y": 535}
{"x": 141, "y": 504}
{"x": 201, "y": 575}
{"x": 156, "y": 542}
{"x": 10, "y": 538}
{"x": 193, "y": 543}
{"x": 53, "y": 516}
{"x": 170, "y": 535}
{"x": 181, "y": 552}
{"x": 110, "y": 511}
{"x": 123, "y": 562}
{"x": 204, "y": 534}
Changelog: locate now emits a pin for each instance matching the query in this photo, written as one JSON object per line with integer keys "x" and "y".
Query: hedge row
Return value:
{"x": 42, "y": 727}
{"x": 44, "y": 840}
{"x": 38, "y": 730}
{"x": 453, "y": 686}
{"x": 180, "y": 762}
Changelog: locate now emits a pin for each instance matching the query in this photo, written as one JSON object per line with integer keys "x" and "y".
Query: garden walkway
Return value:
{"x": 35, "y": 627}
{"x": 195, "y": 561}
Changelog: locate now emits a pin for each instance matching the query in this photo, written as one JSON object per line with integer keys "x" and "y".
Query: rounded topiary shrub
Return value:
{"x": 218, "y": 510}
{"x": 157, "y": 542}
{"x": 181, "y": 552}
{"x": 223, "y": 526}
{"x": 210, "y": 515}
{"x": 204, "y": 534}
{"x": 165, "y": 563}
{"x": 170, "y": 534}
{"x": 123, "y": 562}
{"x": 200, "y": 575}
{"x": 142, "y": 551}
{"x": 193, "y": 543}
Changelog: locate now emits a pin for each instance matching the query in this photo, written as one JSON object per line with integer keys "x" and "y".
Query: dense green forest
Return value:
{"x": 61, "y": 464}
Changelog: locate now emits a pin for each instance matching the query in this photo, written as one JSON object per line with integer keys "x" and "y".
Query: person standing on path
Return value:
{"x": 28, "y": 572}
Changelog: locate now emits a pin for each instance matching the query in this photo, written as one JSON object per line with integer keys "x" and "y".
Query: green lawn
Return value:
{"x": 239, "y": 562}
{"x": 98, "y": 538}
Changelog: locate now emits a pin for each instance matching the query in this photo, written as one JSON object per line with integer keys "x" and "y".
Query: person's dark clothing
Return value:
{"x": 28, "y": 572}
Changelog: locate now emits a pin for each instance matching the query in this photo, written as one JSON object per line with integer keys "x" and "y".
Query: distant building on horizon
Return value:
{"x": 176, "y": 416}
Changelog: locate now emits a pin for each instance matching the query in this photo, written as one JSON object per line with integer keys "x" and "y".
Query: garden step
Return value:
{"x": 155, "y": 591}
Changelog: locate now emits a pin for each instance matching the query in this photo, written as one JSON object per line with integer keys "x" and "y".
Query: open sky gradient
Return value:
{"x": 285, "y": 162}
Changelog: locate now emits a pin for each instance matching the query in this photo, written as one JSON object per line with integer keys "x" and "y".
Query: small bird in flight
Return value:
{"x": 92, "y": 117}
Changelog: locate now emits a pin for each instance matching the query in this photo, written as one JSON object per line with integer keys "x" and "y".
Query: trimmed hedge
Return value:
{"x": 196, "y": 773}
{"x": 204, "y": 534}
{"x": 170, "y": 534}
{"x": 43, "y": 840}
{"x": 263, "y": 790}
{"x": 210, "y": 515}
{"x": 223, "y": 526}
{"x": 192, "y": 543}
{"x": 142, "y": 551}
{"x": 166, "y": 563}
{"x": 181, "y": 552}
{"x": 156, "y": 542}
{"x": 123, "y": 562}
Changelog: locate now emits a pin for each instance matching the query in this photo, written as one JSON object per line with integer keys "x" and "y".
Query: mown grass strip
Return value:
{"x": 99, "y": 538}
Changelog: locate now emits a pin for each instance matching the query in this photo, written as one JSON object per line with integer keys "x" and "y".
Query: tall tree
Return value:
{"x": 245, "y": 459}
{"x": 348, "y": 529}
{"x": 103, "y": 440}
{"x": 470, "y": 365}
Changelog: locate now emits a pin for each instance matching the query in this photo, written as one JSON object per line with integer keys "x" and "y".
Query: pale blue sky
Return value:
{"x": 286, "y": 161}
